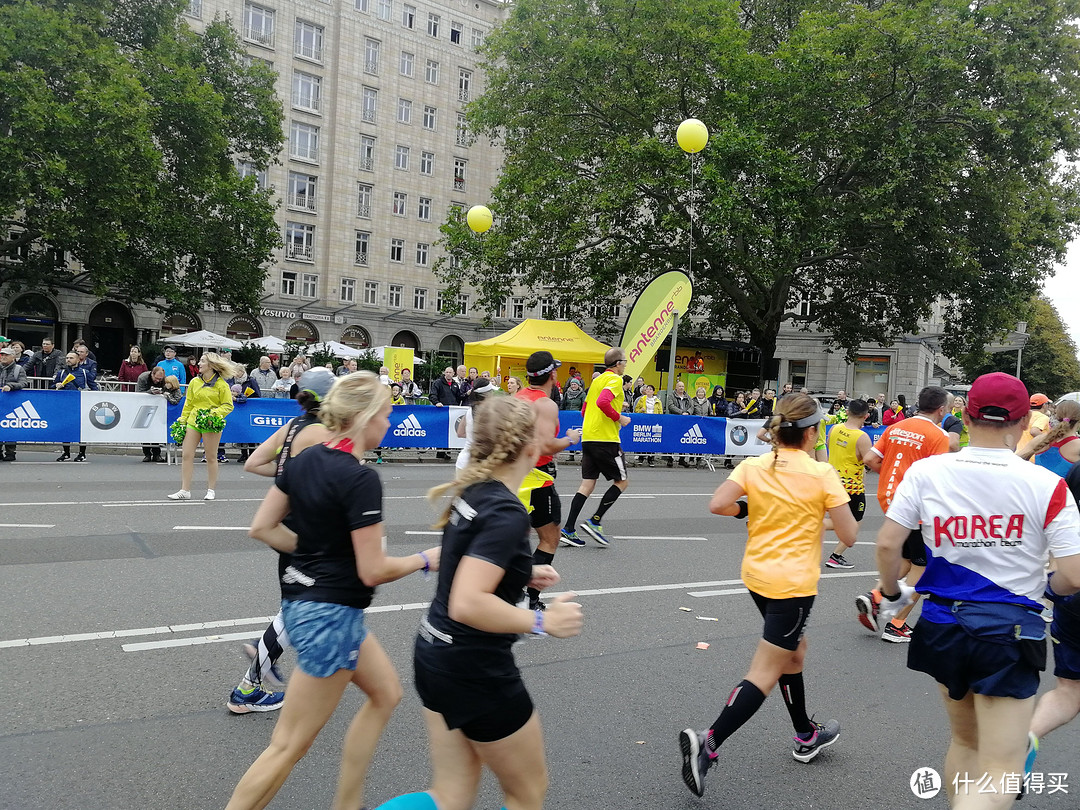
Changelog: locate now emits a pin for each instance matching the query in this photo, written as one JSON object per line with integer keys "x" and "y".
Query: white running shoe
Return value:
{"x": 209, "y": 496}
{"x": 180, "y": 495}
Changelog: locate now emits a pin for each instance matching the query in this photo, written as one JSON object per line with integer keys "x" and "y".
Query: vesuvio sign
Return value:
{"x": 651, "y": 317}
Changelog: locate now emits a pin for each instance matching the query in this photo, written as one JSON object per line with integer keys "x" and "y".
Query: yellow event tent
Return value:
{"x": 506, "y": 353}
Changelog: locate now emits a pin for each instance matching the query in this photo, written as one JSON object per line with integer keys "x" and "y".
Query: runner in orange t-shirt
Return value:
{"x": 901, "y": 445}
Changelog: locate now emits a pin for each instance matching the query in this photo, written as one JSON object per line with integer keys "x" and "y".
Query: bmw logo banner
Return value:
{"x": 107, "y": 417}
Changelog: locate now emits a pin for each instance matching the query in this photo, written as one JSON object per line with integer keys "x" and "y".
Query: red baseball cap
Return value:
{"x": 998, "y": 397}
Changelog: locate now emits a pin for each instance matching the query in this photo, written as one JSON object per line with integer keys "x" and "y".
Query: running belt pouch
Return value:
{"x": 1001, "y": 623}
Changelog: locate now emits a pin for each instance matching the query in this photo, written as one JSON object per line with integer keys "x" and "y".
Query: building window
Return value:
{"x": 367, "y": 153}
{"x": 371, "y": 56}
{"x": 456, "y": 211}
{"x": 309, "y": 40}
{"x": 304, "y": 141}
{"x": 404, "y": 111}
{"x": 477, "y": 37}
{"x": 362, "y": 5}
{"x": 433, "y": 25}
{"x": 517, "y": 309}
{"x": 259, "y": 24}
{"x": 302, "y": 191}
{"x": 605, "y": 309}
{"x": 288, "y": 282}
{"x": 363, "y": 239}
{"x": 550, "y": 311}
{"x": 245, "y": 168}
{"x": 370, "y": 104}
{"x": 401, "y": 203}
{"x": 401, "y": 158}
{"x": 462, "y": 136}
{"x": 431, "y": 117}
{"x": 431, "y": 72}
{"x": 394, "y": 294}
{"x": 306, "y": 91}
{"x": 363, "y": 200}
{"x": 397, "y": 250}
{"x": 427, "y": 163}
{"x": 461, "y": 169}
{"x": 463, "y": 304}
{"x": 797, "y": 373}
{"x": 371, "y": 293}
{"x": 421, "y": 254}
{"x": 348, "y": 291}
{"x": 407, "y": 60}
{"x": 299, "y": 241}
{"x": 419, "y": 298}
{"x": 440, "y": 301}
{"x": 408, "y": 16}
{"x": 385, "y": 9}
{"x": 309, "y": 286}
{"x": 464, "y": 84}
{"x": 423, "y": 210}
{"x": 194, "y": 9}
{"x": 457, "y": 32}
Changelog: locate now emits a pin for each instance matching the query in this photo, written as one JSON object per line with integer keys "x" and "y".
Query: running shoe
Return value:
{"x": 595, "y": 531}
{"x": 838, "y": 561}
{"x": 897, "y": 635}
{"x": 180, "y": 495}
{"x": 537, "y": 604}
{"x": 273, "y": 674}
{"x": 1029, "y": 762}
{"x": 256, "y": 700}
{"x": 570, "y": 539}
{"x": 695, "y": 759}
{"x": 823, "y": 736}
{"x": 868, "y": 604}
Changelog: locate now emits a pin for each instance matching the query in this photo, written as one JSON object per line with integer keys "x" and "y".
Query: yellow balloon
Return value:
{"x": 692, "y": 135}
{"x": 479, "y": 218}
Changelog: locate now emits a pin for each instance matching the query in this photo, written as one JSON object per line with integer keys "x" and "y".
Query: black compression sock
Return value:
{"x": 575, "y": 510}
{"x": 794, "y": 693}
{"x": 742, "y": 704}
{"x": 607, "y": 502}
{"x": 539, "y": 558}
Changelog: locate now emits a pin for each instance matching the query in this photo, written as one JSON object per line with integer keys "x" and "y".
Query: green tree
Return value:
{"x": 1048, "y": 362}
{"x": 871, "y": 156}
{"x": 119, "y": 128}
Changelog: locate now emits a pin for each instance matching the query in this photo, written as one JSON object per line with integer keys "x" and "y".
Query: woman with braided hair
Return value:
{"x": 787, "y": 494}
{"x": 476, "y": 707}
{"x": 1057, "y": 449}
{"x": 335, "y": 535}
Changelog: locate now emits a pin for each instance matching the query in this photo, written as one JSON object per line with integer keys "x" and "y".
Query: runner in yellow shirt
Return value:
{"x": 848, "y": 443}
{"x": 788, "y": 494}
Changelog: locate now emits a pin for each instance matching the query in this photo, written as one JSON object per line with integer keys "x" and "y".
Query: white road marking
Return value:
{"x": 210, "y": 528}
{"x": 614, "y": 537}
{"x": 27, "y": 525}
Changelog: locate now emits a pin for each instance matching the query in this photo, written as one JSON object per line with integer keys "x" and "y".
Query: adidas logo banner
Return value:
{"x": 39, "y": 416}
{"x": 423, "y": 426}
{"x": 656, "y": 433}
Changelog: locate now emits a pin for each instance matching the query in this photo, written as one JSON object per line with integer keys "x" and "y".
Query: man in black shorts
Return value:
{"x": 546, "y": 506}
{"x": 601, "y": 452}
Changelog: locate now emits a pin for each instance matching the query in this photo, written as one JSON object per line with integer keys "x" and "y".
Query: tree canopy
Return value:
{"x": 119, "y": 132}
{"x": 1048, "y": 363}
{"x": 871, "y": 157}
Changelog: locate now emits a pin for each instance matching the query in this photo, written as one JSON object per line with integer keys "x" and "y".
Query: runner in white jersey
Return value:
{"x": 988, "y": 520}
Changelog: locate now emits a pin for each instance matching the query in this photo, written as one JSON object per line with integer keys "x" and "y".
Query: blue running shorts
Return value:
{"x": 326, "y": 636}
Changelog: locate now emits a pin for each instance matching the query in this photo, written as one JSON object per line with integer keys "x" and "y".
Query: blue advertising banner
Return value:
{"x": 656, "y": 433}
{"x": 252, "y": 421}
{"x": 420, "y": 426}
{"x": 39, "y": 416}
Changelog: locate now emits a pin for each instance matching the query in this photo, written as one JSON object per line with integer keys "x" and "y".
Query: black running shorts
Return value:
{"x": 546, "y": 507}
{"x": 785, "y": 619}
{"x": 485, "y": 709}
{"x": 914, "y": 549}
{"x": 857, "y": 504}
{"x": 602, "y": 458}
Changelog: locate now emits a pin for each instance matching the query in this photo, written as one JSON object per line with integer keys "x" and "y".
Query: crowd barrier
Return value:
{"x": 117, "y": 418}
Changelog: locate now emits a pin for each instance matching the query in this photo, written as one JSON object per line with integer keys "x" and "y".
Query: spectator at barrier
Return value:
{"x": 19, "y": 348}
{"x": 513, "y": 385}
{"x": 752, "y": 404}
{"x": 737, "y": 409}
{"x": 133, "y": 367}
{"x": 171, "y": 365}
{"x": 75, "y": 344}
{"x": 410, "y": 391}
{"x": 701, "y": 405}
{"x": 768, "y": 402}
{"x": 903, "y": 405}
{"x": 874, "y": 416}
{"x": 787, "y": 389}
{"x": 395, "y": 394}
{"x": 348, "y": 367}
{"x": 678, "y": 405}
{"x": 894, "y": 413}
{"x": 639, "y": 388}
{"x": 718, "y": 404}
{"x": 284, "y": 383}
{"x": 12, "y": 378}
{"x": 444, "y": 390}
{"x": 574, "y": 397}
{"x": 264, "y": 375}
{"x": 384, "y": 376}
{"x": 156, "y": 382}
{"x": 75, "y": 375}
{"x": 299, "y": 362}
{"x": 191, "y": 367}
{"x": 275, "y": 363}
{"x": 86, "y": 362}
{"x": 241, "y": 393}
{"x": 648, "y": 402}
{"x": 628, "y": 394}
{"x": 45, "y": 361}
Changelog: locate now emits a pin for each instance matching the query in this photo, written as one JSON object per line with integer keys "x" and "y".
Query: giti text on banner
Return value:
{"x": 651, "y": 317}
{"x": 121, "y": 418}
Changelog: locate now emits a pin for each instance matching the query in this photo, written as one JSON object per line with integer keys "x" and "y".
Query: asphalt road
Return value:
{"x": 133, "y": 607}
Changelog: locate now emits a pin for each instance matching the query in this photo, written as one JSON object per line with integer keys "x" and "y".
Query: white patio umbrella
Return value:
{"x": 335, "y": 348}
{"x": 203, "y": 339}
{"x": 270, "y": 343}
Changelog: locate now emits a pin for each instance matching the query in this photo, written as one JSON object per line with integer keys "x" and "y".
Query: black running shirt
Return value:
{"x": 487, "y": 522}
{"x": 330, "y": 494}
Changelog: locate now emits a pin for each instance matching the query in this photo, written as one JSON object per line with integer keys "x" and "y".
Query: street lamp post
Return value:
{"x": 1021, "y": 327}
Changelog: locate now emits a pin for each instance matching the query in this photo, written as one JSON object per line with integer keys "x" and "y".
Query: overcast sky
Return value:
{"x": 1063, "y": 290}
